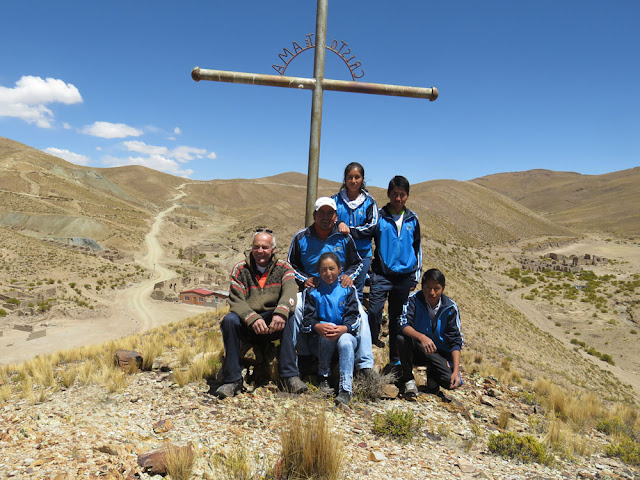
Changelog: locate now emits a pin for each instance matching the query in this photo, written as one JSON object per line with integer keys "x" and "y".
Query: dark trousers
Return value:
{"x": 234, "y": 330}
{"x": 438, "y": 364}
{"x": 397, "y": 289}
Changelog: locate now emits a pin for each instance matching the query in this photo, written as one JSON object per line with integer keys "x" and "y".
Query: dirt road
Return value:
{"x": 133, "y": 310}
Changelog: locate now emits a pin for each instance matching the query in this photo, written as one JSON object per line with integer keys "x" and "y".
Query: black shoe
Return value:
{"x": 379, "y": 343}
{"x": 343, "y": 398}
{"x": 324, "y": 387}
{"x": 229, "y": 389}
{"x": 365, "y": 372}
{"x": 294, "y": 385}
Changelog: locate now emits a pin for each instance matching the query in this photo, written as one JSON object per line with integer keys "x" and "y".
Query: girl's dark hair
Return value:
{"x": 400, "y": 182}
{"x": 435, "y": 275}
{"x": 330, "y": 255}
{"x": 347, "y": 169}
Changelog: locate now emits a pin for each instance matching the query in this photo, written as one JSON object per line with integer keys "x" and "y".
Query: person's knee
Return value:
{"x": 230, "y": 321}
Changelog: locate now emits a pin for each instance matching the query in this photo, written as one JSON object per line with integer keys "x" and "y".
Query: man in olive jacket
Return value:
{"x": 262, "y": 297}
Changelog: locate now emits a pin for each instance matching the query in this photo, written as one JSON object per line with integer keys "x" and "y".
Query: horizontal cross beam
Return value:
{"x": 430, "y": 93}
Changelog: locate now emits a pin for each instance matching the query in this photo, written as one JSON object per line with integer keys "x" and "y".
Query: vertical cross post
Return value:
{"x": 316, "y": 109}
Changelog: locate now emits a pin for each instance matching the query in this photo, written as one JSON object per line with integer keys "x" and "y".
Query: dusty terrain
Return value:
{"x": 156, "y": 228}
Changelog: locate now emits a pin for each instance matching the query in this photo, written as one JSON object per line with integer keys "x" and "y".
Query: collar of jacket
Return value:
{"x": 251, "y": 262}
{"x": 353, "y": 204}
{"x": 386, "y": 213}
{"x": 312, "y": 231}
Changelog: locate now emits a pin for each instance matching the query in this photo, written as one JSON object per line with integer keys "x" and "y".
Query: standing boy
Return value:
{"x": 430, "y": 335}
{"x": 397, "y": 263}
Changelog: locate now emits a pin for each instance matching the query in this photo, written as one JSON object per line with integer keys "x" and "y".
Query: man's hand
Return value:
{"x": 427, "y": 344}
{"x": 455, "y": 380}
{"x": 330, "y": 331}
{"x": 277, "y": 323}
{"x": 346, "y": 281}
{"x": 260, "y": 327}
{"x": 344, "y": 229}
{"x": 310, "y": 282}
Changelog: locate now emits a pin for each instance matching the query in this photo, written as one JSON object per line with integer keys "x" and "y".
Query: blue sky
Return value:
{"x": 523, "y": 85}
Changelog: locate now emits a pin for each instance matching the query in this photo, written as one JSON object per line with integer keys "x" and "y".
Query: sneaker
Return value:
{"x": 229, "y": 389}
{"x": 343, "y": 398}
{"x": 365, "y": 372}
{"x": 410, "y": 390}
{"x": 324, "y": 387}
{"x": 294, "y": 385}
{"x": 379, "y": 343}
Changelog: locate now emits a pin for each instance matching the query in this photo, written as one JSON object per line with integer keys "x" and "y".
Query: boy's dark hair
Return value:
{"x": 330, "y": 255}
{"x": 435, "y": 275}
{"x": 400, "y": 182}
{"x": 347, "y": 169}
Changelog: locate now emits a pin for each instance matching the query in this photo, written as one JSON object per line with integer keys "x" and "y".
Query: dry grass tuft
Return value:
{"x": 310, "y": 449}
{"x": 180, "y": 462}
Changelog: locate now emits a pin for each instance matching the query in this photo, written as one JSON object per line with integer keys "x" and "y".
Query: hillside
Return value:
{"x": 604, "y": 203}
{"x": 209, "y": 226}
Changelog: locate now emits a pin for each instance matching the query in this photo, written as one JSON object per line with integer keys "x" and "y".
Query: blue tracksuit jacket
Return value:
{"x": 332, "y": 304}
{"x": 444, "y": 330}
{"x": 306, "y": 248}
{"x": 397, "y": 254}
{"x": 361, "y": 216}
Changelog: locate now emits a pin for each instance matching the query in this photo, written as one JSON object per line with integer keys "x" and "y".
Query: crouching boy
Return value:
{"x": 430, "y": 335}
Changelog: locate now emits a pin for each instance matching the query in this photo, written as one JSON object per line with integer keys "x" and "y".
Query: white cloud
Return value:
{"x": 66, "y": 126}
{"x": 159, "y": 157}
{"x": 110, "y": 130}
{"x": 67, "y": 155}
{"x": 177, "y": 131}
{"x": 185, "y": 154}
{"x": 28, "y": 98}
{"x": 156, "y": 162}
{"x": 99, "y": 149}
{"x": 141, "y": 147}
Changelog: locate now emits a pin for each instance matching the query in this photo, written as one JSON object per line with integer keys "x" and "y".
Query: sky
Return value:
{"x": 523, "y": 85}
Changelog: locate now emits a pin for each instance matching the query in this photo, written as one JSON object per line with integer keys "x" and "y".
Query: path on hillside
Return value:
{"x": 133, "y": 310}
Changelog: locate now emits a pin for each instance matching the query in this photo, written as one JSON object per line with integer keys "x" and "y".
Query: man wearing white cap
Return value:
{"x": 323, "y": 236}
{"x": 305, "y": 250}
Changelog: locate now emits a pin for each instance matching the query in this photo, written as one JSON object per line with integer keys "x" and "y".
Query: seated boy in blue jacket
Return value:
{"x": 430, "y": 336}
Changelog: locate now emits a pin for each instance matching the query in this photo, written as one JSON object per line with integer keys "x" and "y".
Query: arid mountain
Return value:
{"x": 604, "y": 203}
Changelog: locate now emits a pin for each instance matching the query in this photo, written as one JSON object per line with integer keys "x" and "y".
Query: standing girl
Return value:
{"x": 397, "y": 263}
{"x": 358, "y": 216}
{"x": 331, "y": 312}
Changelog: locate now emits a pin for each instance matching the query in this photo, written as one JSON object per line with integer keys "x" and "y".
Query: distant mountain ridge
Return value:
{"x": 604, "y": 203}
{"x": 122, "y": 201}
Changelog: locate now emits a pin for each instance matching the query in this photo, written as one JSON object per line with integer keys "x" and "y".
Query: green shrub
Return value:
{"x": 13, "y": 301}
{"x": 627, "y": 450}
{"x": 3, "y": 312}
{"x": 526, "y": 449}
{"x": 396, "y": 424}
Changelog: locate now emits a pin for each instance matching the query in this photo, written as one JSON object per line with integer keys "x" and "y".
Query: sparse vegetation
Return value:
{"x": 397, "y": 424}
{"x": 524, "y": 448}
{"x": 310, "y": 449}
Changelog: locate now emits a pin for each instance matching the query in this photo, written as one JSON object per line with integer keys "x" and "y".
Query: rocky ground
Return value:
{"x": 87, "y": 432}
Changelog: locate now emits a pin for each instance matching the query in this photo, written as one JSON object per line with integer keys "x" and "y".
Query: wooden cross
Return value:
{"x": 317, "y": 84}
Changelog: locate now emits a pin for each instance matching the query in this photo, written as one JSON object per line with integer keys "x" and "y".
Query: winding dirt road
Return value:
{"x": 133, "y": 310}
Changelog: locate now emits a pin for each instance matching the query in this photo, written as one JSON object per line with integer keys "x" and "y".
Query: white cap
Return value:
{"x": 324, "y": 201}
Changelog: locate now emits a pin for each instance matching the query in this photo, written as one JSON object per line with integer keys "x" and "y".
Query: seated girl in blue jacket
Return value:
{"x": 331, "y": 313}
{"x": 430, "y": 335}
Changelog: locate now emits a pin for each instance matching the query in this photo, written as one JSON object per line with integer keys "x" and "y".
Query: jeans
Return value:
{"x": 302, "y": 342}
{"x": 346, "y": 353}
{"x": 359, "y": 281}
{"x": 397, "y": 288}
{"x": 234, "y": 330}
